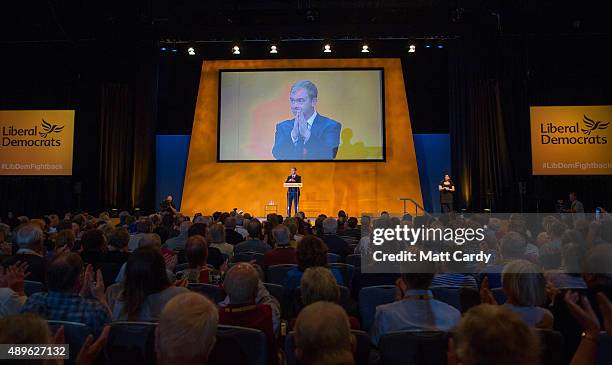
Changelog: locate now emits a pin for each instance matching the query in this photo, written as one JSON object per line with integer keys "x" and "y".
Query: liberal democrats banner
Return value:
{"x": 36, "y": 142}
{"x": 571, "y": 140}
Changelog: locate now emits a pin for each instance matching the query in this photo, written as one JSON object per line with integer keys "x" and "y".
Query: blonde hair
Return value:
{"x": 492, "y": 334}
{"x": 318, "y": 284}
{"x": 323, "y": 335}
{"x": 524, "y": 283}
{"x": 65, "y": 237}
{"x": 186, "y": 329}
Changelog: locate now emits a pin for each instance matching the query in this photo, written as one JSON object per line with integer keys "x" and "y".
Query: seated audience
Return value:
{"x": 29, "y": 239}
{"x": 415, "y": 308}
{"x": 323, "y": 335}
{"x": 249, "y": 304}
{"x": 64, "y": 241}
{"x": 178, "y": 243}
{"x": 12, "y": 294}
{"x": 352, "y": 230}
{"x": 71, "y": 295}
{"x": 283, "y": 253}
{"x": 142, "y": 227}
{"x": 196, "y": 252}
{"x": 117, "y": 247}
{"x": 311, "y": 252}
{"x": 186, "y": 331}
{"x": 318, "y": 284}
{"x": 254, "y": 242}
{"x": 525, "y": 288}
{"x": 231, "y": 236}
{"x": 334, "y": 243}
{"x": 452, "y": 276}
{"x": 94, "y": 247}
{"x": 215, "y": 257}
{"x": 490, "y": 334}
{"x": 146, "y": 288}
{"x": 216, "y": 237}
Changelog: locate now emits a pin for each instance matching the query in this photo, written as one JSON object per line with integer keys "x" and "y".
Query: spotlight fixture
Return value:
{"x": 440, "y": 45}
{"x": 427, "y": 45}
{"x": 327, "y": 48}
{"x": 173, "y": 50}
{"x": 163, "y": 48}
{"x": 236, "y": 50}
{"x": 191, "y": 51}
{"x": 273, "y": 49}
{"x": 365, "y": 49}
{"x": 411, "y": 48}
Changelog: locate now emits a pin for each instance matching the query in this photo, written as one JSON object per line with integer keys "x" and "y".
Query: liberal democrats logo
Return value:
{"x": 593, "y": 125}
{"x": 49, "y": 128}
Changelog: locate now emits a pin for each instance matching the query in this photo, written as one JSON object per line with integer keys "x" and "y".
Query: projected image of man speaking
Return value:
{"x": 309, "y": 135}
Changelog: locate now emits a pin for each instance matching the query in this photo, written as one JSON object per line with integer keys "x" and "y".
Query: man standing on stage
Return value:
{"x": 293, "y": 194}
{"x": 309, "y": 135}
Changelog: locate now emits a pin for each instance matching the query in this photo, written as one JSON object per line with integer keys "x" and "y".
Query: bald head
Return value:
{"x": 240, "y": 283}
{"x": 323, "y": 335}
{"x": 186, "y": 330}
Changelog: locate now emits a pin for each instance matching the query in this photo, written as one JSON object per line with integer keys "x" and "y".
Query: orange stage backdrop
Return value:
{"x": 357, "y": 187}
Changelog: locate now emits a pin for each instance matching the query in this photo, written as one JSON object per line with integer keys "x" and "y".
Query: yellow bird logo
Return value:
{"x": 593, "y": 125}
{"x": 50, "y": 128}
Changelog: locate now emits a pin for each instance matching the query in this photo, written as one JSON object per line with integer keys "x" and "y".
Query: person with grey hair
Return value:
{"x": 249, "y": 304}
{"x": 283, "y": 253}
{"x": 178, "y": 242}
{"x": 29, "y": 239}
{"x": 334, "y": 243}
{"x": 309, "y": 135}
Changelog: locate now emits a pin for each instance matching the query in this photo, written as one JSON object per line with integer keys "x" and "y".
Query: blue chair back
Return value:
{"x": 131, "y": 343}
{"x": 369, "y": 298}
{"x": 414, "y": 347}
{"x": 31, "y": 287}
{"x": 333, "y": 258}
{"x": 239, "y": 345}
{"x": 348, "y": 271}
{"x": 277, "y": 274}
{"x": 448, "y": 295}
{"x": 354, "y": 259}
{"x": 213, "y": 292}
{"x": 361, "y": 355}
{"x": 75, "y": 334}
{"x": 278, "y": 292}
{"x": 499, "y": 295}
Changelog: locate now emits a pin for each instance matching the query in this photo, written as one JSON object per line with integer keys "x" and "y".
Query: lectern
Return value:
{"x": 292, "y": 185}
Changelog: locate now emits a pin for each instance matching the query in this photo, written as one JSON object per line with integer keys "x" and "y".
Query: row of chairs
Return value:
{"x": 277, "y": 274}
{"x": 133, "y": 342}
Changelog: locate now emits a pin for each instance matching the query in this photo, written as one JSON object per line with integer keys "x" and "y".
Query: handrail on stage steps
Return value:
{"x": 416, "y": 207}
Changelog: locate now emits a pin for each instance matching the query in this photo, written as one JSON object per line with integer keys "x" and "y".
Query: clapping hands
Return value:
{"x": 14, "y": 276}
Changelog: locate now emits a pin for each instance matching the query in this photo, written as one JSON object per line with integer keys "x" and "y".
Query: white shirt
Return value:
{"x": 10, "y": 302}
{"x": 413, "y": 314}
{"x": 309, "y": 121}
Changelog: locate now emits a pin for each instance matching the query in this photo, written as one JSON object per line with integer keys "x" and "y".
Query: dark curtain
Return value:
{"x": 480, "y": 158}
{"x": 492, "y": 84}
{"x": 127, "y": 137}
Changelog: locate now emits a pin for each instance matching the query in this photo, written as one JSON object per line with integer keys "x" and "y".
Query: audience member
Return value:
{"x": 415, "y": 308}
{"x": 254, "y": 242}
{"x": 323, "y": 335}
{"x": 311, "y": 252}
{"x": 178, "y": 243}
{"x": 334, "y": 243}
{"x": 142, "y": 227}
{"x": 217, "y": 239}
{"x": 12, "y": 293}
{"x": 231, "y": 236}
{"x": 146, "y": 288}
{"x": 283, "y": 253}
{"x": 249, "y": 304}
{"x": 71, "y": 296}
{"x": 186, "y": 331}
{"x": 196, "y": 252}
{"x": 490, "y": 334}
{"x": 29, "y": 239}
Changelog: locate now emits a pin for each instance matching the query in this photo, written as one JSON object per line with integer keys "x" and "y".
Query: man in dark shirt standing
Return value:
{"x": 293, "y": 194}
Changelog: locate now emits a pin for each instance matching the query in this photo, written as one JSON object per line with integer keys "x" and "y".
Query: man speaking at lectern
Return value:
{"x": 293, "y": 194}
{"x": 309, "y": 135}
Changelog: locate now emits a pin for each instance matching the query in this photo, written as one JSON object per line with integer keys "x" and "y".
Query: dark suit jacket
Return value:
{"x": 36, "y": 266}
{"x": 232, "y": 237}
{"x": 335, "y": 244}
{"x": 322, "y": 144}
{"x": 298, "y": 179}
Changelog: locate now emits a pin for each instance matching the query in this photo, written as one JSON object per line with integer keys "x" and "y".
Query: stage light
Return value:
{"x": 173, "y": 50}
{"x": 273, "y": 49}
{"x": 440, "y": 45}
{"x": 236, "y": 50}
{"x": 411, "y": 48}
{"x": 427, "y": 45}
{"x": 191, "y": 51}
{"x": 327, "y": 48}
{"x": 365, "y": 49}
{"x": 163, "y": 48}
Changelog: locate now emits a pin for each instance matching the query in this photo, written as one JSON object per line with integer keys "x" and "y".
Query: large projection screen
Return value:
{"x": 341, "y": 109}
